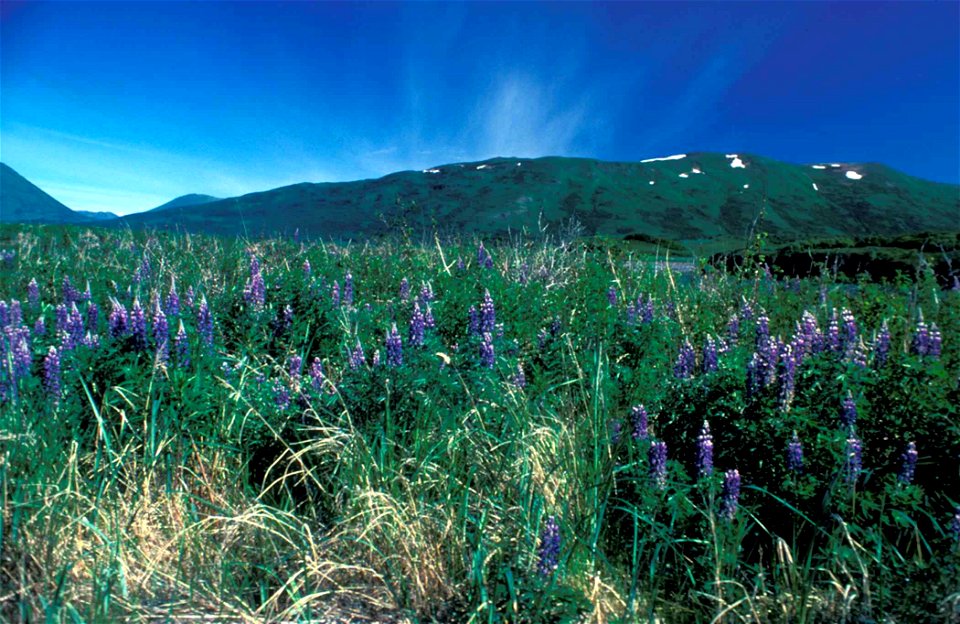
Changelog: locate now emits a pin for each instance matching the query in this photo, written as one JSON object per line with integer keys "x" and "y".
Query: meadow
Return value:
{"x": 544, "y": 429}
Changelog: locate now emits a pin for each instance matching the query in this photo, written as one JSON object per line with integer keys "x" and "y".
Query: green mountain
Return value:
{"x": 22, "y": 201}
{"x": 193, "y": 199}
{"x": 701, "y": 199}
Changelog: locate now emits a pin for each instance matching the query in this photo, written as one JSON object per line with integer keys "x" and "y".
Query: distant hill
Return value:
{"x": 702, "y": 199}
{"x": 193, "y": 199}
{"x": 97, "y": 216}
{"x": 22, "y": 201}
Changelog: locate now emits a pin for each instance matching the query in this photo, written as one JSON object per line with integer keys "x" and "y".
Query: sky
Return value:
{"x": 122, "y": 106}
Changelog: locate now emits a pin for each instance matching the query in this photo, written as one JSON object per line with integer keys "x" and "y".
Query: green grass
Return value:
{"x": 146, "y": 490}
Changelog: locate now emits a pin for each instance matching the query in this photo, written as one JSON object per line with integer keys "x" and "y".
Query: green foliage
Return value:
{"x": 238, "y": 485}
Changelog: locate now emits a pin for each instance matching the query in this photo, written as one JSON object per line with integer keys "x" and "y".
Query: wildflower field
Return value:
{"x": 457, "y": 431}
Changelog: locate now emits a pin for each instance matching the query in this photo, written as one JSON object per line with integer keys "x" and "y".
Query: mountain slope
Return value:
{"x": 193, "y": 199}
{"x": 22, "y": 201}
{"x": 697, "y": 198}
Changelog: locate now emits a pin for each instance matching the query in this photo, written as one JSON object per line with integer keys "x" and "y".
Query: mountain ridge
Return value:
{"x": 696, "y": 197}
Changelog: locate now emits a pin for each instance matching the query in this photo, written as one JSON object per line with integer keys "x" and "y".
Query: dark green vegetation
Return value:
{"x": 262, "y": 477}
{"x": 193, "y": 199}
{"x": 701, "y": 212}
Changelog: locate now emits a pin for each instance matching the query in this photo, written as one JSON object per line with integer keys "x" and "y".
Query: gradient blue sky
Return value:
{"x": 122, "y": 106}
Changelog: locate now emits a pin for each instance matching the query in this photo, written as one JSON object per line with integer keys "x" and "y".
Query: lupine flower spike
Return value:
{"x": 730, "y": 497}
{"x": 908, "y": 467}
{"x": 548, "y": 553}
{"x": 705, "y": 451}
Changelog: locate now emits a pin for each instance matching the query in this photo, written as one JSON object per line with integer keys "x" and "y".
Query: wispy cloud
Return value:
{"x": 522, "y": 116}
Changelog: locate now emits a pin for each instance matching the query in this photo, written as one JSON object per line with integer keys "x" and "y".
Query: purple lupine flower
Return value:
{"x": 285, "y": 321}
{"x": 138, "y": 326}
{"x": 647, "y": 311}
{"x": 789, "y": 362}
{"x": 488, "y": 314}
{"x": 255, "y": 291}
{"x": 848, "y": 412}
{"x": 70, "y": 293}
{"x": 190, "y": 297}
{"x": 638, "y": 422}
{"x": 484, "y": 259}
{"x": 316, "y": 374}
{"x": 51, "y": 374}
{"x": 33, "y": 293}
{"x": 460, "y": 264}
{"x": 428, "y": 319}
{"x": 376, "y": 358}
{"x": 936, "y": 342}
{"x": 746, "y": 311}
{"x": 74, "y": 328}
{"x": 145, "y": 269}
{"x": 705, "y": 451}
{"x": 686, "y": 361}
{"x": 90, "y": 340}
{"x": 40, "y": 327}
{"x": 294, "y": 364}
{"x": 795, "y": 454}
{"x": 657, "y": 455}
{"x": 426, "y": 294}
{"x": 709, "y": 355}
{"x": 93, "y": 316}
{"x": 519, "y": 378}
{"x": 4, "y": 314}
{"x": 161, "y": 333}
{"x": 733, "y": 330}
{"x": 854, "y": 464}
{"x": 810, "y": 330}
{"x": 335, "y": 294}
{"x": 62, "y": 314}
{"x": 395, "y": 347}
{"x": 763, "y": 330}
{"x": 542, "y": 337}
{"x": 119, "y": 321}
{"x": 833, "y": 332}
{"x": 473, "y": 324}
{"x": 404, "y": 290}
{"x": 417, "y": 326}
{"x": 631, "y": 314}
{"x": 857, "y": 354}
{"x": 16, "y": 314}
{"x": 205, "y": 322}
{"x": 487, "y": 356}
{"x": 908, "y": 466}
{"x": 849, "y": 336}
{"x": 172, "y": 302}
{"x": 357, "y": 358}
{"x": 730, "y": 497}
{"x": 181, "y": 347}
{"x": 21, "y": 358}
{"x": 87, "y": 295}
{"x": 612, "y": 296}
{"x": 281, "y": 395}
{"x": 348, "y": 289}
{"x": 307, "y": 269}
{"x": 881, "y": 346}
{"x": 548, "y": 552}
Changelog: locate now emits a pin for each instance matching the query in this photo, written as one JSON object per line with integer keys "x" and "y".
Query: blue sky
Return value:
{"x": 122, "y": 106}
